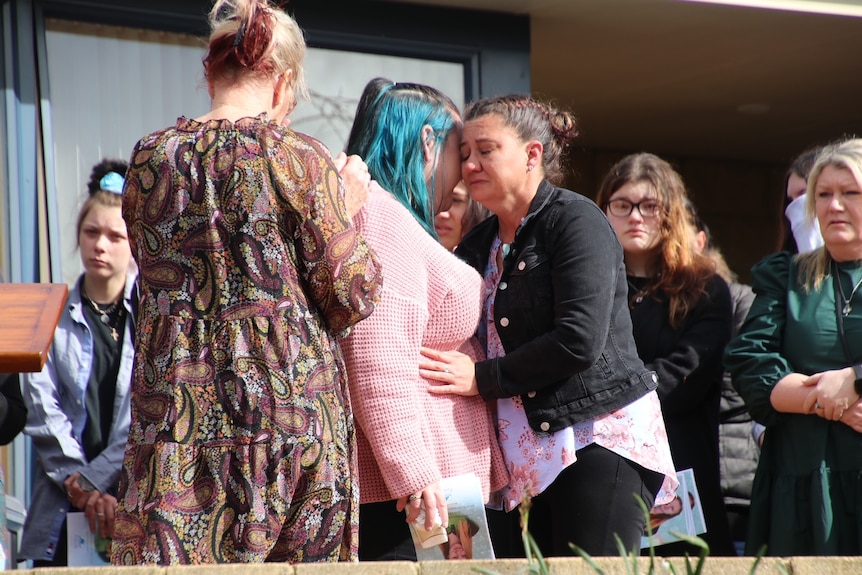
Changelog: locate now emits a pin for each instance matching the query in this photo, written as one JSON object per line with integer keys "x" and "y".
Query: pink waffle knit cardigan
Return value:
{"x": 409, "y": 438}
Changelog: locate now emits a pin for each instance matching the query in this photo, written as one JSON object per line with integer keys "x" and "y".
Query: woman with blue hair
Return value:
{"x": 408, "y": 438}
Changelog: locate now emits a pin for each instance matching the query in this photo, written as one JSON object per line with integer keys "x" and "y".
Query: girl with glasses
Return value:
{"x": 681, "y": 316}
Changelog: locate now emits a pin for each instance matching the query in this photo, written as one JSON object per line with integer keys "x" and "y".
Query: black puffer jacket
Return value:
{"x": 738, "y": 451}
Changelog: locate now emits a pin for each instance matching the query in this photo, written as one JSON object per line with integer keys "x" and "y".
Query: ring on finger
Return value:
{"x": 414, "y": 497}
{"x": 446, "y": 370}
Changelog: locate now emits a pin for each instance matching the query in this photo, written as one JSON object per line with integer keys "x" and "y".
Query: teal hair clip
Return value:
{"x": 112, "y": 182}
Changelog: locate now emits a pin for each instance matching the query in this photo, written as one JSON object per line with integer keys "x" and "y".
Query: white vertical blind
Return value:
{"x": 110, "y": 85}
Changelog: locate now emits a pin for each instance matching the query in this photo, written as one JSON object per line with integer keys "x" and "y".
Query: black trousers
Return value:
{"x": 384, "y": 534}
{"x": 589, "y": 502}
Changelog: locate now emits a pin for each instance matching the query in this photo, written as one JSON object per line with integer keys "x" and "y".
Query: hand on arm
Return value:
{"x": 454, "y": 371}
{"x": 354, "y": 174}
{"x": 790, "y": 393}
{"x": 834, "y": 392}
{"x": 827, "y": 394}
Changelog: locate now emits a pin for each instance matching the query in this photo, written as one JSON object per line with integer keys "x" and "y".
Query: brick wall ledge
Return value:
{"x": 558, "y": 566}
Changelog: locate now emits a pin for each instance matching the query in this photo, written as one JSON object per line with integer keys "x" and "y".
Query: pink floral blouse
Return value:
{"x": 635, "y": 432}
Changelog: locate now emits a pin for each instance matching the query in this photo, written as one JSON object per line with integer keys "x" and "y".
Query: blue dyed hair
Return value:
{"x": 387, "y": 134}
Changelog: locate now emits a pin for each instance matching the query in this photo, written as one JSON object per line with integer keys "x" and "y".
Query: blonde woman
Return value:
{"x": 796, "y": 363}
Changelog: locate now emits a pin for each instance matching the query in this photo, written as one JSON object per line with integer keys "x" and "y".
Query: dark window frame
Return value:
{"x": 494, "y": 48}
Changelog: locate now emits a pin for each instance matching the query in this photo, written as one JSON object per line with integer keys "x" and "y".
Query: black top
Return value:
{"x": 102, "y": 387}
{"x": 688, "y": 360}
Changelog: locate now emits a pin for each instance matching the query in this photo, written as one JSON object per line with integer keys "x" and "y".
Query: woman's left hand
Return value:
{"x": 453, "y": 370}
{"x": 101, "y": 515}
{"x": 78, "y": 497}
{"x": 834, "y": 392}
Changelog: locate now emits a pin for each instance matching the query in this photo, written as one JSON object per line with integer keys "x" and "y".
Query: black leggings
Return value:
{"x": 589, "y": 502}
{"x": 384, "y": 534}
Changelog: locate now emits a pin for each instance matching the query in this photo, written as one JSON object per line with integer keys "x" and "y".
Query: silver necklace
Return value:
{"x": 105, "y": 315}
{"x": 847, "y": 306}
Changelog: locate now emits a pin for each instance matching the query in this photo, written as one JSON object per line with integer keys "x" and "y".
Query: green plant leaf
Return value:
{"x": 586, "y": 557}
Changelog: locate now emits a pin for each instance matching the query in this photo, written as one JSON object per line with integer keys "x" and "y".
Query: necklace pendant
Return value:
{"x": 114, "y": 334}
{"x": 847, "y": 308}
{"x": 104, "y": 319}
{"x": 639, "y": 298}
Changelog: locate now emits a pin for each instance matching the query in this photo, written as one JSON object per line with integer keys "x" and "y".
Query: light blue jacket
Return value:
{"x": 56, "y": 416}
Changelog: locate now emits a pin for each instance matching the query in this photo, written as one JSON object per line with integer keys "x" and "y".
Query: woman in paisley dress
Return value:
{"x": 242, "y": 446}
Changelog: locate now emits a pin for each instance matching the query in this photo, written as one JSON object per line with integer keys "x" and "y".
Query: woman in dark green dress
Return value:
{"x": 796, "y": 362}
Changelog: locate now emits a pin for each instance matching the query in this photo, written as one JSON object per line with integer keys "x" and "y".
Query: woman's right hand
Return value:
{"x": 434, "y": 501}
{"x": 454, "y": 371}
{"x": 354, "y": 174}
{"x": 834, "y": 392}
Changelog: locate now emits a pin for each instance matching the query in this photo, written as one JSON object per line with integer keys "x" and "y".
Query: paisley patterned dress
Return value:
{"x": 241, "y": 447}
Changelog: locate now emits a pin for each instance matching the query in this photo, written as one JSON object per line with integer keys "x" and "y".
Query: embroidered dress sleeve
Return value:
{"x": 754, "y": 356}
{"x": 341, "y": 271}
{"x": 689, "y": 372}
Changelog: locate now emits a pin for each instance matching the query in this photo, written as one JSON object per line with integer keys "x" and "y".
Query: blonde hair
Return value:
{"x": 256, "y": 36}
{"x": 814, "y": 266}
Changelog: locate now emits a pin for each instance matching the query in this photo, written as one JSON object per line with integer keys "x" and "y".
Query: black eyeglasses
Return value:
{"x": 623, "y": 208}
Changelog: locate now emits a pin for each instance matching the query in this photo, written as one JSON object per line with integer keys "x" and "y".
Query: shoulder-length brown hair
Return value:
{"x": 681, "y": 273}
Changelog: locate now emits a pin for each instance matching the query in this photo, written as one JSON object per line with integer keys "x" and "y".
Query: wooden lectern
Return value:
{"x": 28, "y": 317}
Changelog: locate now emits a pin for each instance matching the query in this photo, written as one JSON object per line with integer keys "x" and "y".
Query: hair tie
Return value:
{"x": 112, "y": 182}
{"x": 240, "y": 32}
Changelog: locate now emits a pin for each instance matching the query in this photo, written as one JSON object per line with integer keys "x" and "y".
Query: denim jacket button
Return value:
{"x": 503, "y": 285}
{"x": 545, "y": 426}
{"x": 521, "y": 266}
{"x": 504, "y": 322}
{"x": 654, "y": 378}
{"x": 531, "y": 394}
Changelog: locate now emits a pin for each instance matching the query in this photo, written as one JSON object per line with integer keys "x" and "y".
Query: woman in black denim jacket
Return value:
{"x": 562, "y": 365}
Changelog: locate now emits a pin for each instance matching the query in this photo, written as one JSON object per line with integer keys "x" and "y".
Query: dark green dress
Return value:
{"x": 808, "y": 489}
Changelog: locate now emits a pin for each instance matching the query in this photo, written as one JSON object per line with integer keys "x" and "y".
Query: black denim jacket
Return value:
{"x": 562, "y": 314}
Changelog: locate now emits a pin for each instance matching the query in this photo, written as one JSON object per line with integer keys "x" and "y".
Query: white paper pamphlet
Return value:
{"x": 682, "y": 515}
{"x": 466, "y": 533}
{"x": 85, "y": 548}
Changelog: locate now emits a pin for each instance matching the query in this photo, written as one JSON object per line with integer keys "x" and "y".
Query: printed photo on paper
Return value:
{"x": 684, "y": 514}
{"x": 465, "y": 536}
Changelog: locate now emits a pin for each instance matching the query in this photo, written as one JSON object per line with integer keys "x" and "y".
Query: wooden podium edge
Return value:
{"x": 30, "y": 342}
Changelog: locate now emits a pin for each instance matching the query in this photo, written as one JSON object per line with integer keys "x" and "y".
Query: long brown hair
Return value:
{"x": 681, "y": 273}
